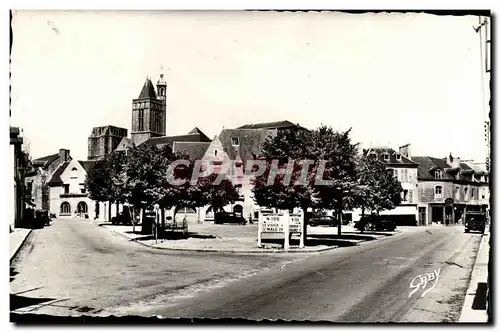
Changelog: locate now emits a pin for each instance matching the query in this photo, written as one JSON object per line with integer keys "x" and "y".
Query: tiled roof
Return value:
{"x": 195, "y": 150}
{"x": 466, "y": 168}
{"x": 428, "y": 164}
{"x": 477, "y": 169}
{"x": 271, "y": 125}
{"x": 44, "y": 162}
{"x": 250, "y": 142}
{"x": 169, "y": 140}
{"x": 87, "y": 164}
{"x": 148, "y": 90}
{"x": 393, "y": 160}
{"x": 195, "y": 130}
{"x": 55, "y": 180}
{"x": 124, "y": 144}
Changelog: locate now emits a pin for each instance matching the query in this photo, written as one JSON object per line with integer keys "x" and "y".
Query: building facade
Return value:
{"x": 18, "y": 162}
{"x": 69, "y": 197}
{"x": 40, "y": 173}
{"x": 405, "y": 170}
{"x": 448, "y": 188}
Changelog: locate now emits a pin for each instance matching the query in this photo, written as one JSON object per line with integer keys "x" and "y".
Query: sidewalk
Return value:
{"x": 243, "y": 239}
{"x": 474, "y": 309}
{"x": 17, "y": 239}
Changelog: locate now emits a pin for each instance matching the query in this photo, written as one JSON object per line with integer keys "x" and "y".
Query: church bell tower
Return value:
{"x": 149, "y": 112}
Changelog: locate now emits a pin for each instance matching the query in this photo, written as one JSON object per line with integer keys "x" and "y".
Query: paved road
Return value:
{"x": 76, "y": 267}
{"x": 367, "y": 283}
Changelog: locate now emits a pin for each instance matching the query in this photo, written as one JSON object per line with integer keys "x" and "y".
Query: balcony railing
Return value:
{"x": 438, "y": 197}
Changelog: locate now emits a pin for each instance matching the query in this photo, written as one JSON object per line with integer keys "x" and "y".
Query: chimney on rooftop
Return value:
{"x": 64, "y": 155}
{"x": 453, "y": 161}
{"x": 405, "y": 151}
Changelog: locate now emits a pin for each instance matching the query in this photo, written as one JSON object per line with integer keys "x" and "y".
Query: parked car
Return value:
{"x": 475, "y": 221}
{"x": 323, "y": 220}
{"x": 122, "y": 218}
{"x": 375, "y": 223}
{"x": 228, "y": 218}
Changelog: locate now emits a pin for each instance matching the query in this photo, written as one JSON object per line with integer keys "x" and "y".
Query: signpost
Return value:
{"x": 296, "y": 226}
{"x": 285, "y": 223}
{"x": 156, "y": 210}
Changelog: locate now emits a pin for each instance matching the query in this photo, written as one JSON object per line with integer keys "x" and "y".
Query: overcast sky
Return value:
{"x": 393, "y": 78}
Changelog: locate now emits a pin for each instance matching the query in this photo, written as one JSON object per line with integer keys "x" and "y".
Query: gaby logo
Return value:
{"x": 424, "y": 280}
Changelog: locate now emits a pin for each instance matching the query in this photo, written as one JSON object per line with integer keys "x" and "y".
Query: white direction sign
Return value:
{"x": 285, "y": 223}
{"x": 273, "y": 223}
{"x": 295, "y": 224}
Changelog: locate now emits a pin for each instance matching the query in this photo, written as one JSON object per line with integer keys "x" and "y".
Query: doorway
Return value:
{"x": 421, "y": 216}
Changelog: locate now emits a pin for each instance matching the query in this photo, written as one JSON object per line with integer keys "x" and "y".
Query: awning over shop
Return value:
{"x": 401, "y": 210}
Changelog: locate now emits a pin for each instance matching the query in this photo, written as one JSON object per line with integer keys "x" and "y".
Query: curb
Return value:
{"x": 480, "y": 268}
{"x": 257, "y": 251}
{"x": 23, "y": 242}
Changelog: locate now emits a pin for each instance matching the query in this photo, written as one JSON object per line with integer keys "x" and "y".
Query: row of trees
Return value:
{"x": 143, "y": 177}
{"x": 349, "y": 179}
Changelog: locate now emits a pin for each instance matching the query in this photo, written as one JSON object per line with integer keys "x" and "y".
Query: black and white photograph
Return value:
{"x": 250, "y": 166}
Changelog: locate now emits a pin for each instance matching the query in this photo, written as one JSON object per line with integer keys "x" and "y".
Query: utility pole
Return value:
{"x": 485, "y": 52}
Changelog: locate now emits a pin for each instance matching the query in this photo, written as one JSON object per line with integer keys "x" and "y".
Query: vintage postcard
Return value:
{"x": 250, "y": 166}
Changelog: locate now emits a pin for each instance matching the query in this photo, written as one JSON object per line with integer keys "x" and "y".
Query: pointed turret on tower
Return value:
{"x": 149, "y": 112}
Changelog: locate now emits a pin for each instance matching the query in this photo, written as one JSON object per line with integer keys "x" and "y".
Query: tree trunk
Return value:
{"x": 340, "y": 222}
{"x": 362, "y": 210}
{"x": 109, "y": 211}
{"x": 133, "y": 219}
{"x": 117, "y": 208}
{"x": 304, "y": 226}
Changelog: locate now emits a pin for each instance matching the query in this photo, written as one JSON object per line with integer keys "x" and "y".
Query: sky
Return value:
{"x": 394, "y": 78}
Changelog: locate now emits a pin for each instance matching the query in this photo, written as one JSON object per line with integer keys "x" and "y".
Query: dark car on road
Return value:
{"x": 375, "y": 223}
{"x": 229, "y": 218}
{"x": 323, "y": 220}
{"x": 122, "y": 218}
{"x": 475, "y": 221}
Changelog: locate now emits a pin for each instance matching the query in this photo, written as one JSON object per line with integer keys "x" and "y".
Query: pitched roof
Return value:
{"x": 393, "y": 160}
{"x": 466, "y": 168}
{"x": 250, "y": 142}
{"x": 148, "y": 90}
{"x": 169, "y": 140}
{"x": 87, "y": 164}
{"x": 477, "y": 169}
{"x": 55, "y": 180}
{"x": 271, "y": 125}
{"x": 195, "y": 150}
{"x": 428, "y": 164}
{"x": 425, "y": 164}
{"x": 44, "y": 162}
{"x": 124, "y": 144}
{"x": 195, "y": 130}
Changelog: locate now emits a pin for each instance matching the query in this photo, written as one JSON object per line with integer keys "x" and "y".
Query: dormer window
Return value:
{"x": 438, "y": 174}
{"x": 398, "y": 156}
{"x": 386, "y": 156}
{"x": 235, "y": 141}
